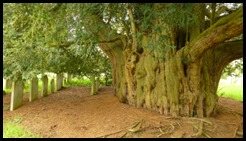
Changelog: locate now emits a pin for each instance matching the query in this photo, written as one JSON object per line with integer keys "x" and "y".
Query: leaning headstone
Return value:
{"x": 44, "y": 86}
{"x": 16, "y": 95}
{"x": 97, "y": 83}
{"x": 52, "y": 86}
{"x": 69, "y": 77}
{"x": 93, "y": 85}
{"x": 65, "y": 81}
{"x": 59, "y": 81}
{"x": 8, "y": 84}
{"x": 33, "y": 89}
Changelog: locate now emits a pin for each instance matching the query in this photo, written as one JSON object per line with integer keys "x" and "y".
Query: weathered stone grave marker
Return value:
{"x": 17, "y": 94}
{"x": 59, "y": 81}
{"x": 33, "y": 89}
{"x": 8, "y": 84}
{"x": 52, "y": 86}
{"x": 45, "y": 86}
{"x": 93, "y": 85}
{"x": 97, "y": 83}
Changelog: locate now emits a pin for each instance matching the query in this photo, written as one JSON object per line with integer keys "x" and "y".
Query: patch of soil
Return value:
{"x": 74, "y": 113}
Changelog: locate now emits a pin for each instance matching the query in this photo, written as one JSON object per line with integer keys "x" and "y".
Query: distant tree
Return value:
{"x": 235, "y": 68}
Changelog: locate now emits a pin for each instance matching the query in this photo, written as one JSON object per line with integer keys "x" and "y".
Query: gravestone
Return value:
{"x": 33, "y": 89}
{"x": 65, "y": 81}
{"x": 69, "y": 77}
{"x": 93, "y": 85}
{"x": 59, "y": 81}
{"x": 8, "y": 84}
{"x": 16, "y": 95}
{"x": 97, "y": 84}
{"x": 52, "y": 86}
{"x": 44, "y": 92}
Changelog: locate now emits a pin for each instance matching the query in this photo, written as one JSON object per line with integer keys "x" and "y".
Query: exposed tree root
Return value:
{"x": 201, "y": 119}
{"x": 172, "y": 117}
{"x": 124, "y": 134}
{"x": 135, "y": 128}
{"x": 168, "y": 130}
{"x": 235, "y": 132}
{"x": 104, "y": 136}
{"x": 201, "y": 131}
{"x": 239, "y": 133}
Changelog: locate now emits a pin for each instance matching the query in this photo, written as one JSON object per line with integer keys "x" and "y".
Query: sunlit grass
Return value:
{"x": 8, "y": 91}
{"x": 12, "y": 128}
{"x": 27, "y": 87}
{"x": 231, "y": 91}
{"x": 78, "y": 82}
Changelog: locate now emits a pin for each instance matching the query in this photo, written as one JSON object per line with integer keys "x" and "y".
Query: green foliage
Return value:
{"x": 12, "y": 128}
{"x": 78, "y": 82}
{"x": 39, "y": 39}
{"x": 51, "y": 37}
{"x": 235, "y": 68}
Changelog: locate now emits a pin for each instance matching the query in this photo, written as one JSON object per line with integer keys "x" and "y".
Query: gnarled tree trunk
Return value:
{"x": 185, "y": 82}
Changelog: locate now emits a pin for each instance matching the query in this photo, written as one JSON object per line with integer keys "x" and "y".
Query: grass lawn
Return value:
{"x": 12, "y": 128}
{"x": 231, "y": 91}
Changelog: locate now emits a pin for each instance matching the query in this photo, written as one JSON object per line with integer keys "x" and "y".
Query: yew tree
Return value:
{"x": 166, "y": 57}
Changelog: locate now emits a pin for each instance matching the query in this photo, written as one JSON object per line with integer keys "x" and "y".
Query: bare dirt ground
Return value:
{"x": 73, "y": 113}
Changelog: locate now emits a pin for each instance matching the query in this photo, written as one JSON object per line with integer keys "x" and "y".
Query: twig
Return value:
{"x": 103, "y": 136}
{"x": 204, "y": 120}
{"x": 136, "y": 127}
{"x": 172, "y": 117}
{"x": 235, "y": 132}
{"x": 124, "y": 134}
{"x": 200, "y": 130}
{"x": 239, "y": 133}
{"x": 178, "y": 124}
{"x": 166, "y": 132}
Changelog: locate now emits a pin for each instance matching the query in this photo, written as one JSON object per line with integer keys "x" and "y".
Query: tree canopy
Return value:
{"x": 31, "y": 48}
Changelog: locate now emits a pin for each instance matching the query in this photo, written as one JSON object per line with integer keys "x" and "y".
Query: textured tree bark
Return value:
{"x": 186, "y": 81}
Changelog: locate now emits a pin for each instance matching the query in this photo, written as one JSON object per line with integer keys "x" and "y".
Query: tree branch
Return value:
{"x": 226, "y": 28}
{"x": 108, "y": 39}
{"x": 221, "y": 10}
{"x": 221, "y": 56}
{"x": 229, "y": 51}
{"x": 133, "y": 27}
